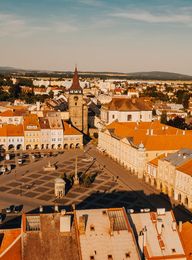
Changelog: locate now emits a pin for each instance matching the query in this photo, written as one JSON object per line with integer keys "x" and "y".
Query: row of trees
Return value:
{"x": 181, "y": 96}
{"x": 15, "y": 92}
{"x": 177, "y": 122}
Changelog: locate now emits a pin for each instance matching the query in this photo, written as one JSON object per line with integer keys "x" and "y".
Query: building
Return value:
{"x": 32, "y": 132}
{"x": 56, "y": 129}
{"x": 166, "y": 176}
{"x": 106, "y": 234}
{"x": 11, "y": 137}
{"x": 10, "y": 244}
{"x": 72, "y": 137}
{"x": 78, "y": 112}
{"x": 45, "y": 133}
{"x": 96, "y": 234}
{"x": 183, "y": 183}
{"x": 126, "y": 110}
{"x": 11, "y": 117}
{"x": 59, "y": 188}
{"x": 158, "y": 235}
{"x": 172, "y": 175}
{"x": 49, "y": 236}
{"x": 151, "y": 173}
{"x": 186, "y": 236}
{"x": 134, "y": 144}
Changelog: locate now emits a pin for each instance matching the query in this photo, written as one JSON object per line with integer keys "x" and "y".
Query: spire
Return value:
{"x": 75, "y": 85}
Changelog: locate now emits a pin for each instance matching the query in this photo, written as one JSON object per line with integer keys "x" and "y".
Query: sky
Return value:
{"x": 97, "y": 35}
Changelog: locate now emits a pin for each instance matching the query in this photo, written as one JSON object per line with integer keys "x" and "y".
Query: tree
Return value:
{"x": 15, "y": 91}
{"x": 163, "y": 119}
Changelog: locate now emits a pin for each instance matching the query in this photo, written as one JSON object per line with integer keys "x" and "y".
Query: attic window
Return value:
{"x": 104, "y": 212}
{"x": 110, "y": 257}
{"x": 92, "y": 257}
{"x": 173, "y": 250}
{"x": 127, "y": 255}
{"x": 92, "y": 228}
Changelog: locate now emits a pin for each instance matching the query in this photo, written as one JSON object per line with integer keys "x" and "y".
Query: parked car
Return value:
{"x": 1, "y": 218}
{"x": 16, "y": 209}
{"x": 8, "y": 210}
{"x": 130, "y": 211}
{"x": 20, "y": 161}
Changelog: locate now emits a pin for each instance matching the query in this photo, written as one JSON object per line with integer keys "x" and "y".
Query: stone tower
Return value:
{"x": 78, "y": 112}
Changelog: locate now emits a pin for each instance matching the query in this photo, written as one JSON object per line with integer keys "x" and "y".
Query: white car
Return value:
{"x": 130, "y": 211}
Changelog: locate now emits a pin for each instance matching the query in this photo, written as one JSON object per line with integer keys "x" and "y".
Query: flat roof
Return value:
{"x": 105, "y": 233}
{"x": 168, "y": 238}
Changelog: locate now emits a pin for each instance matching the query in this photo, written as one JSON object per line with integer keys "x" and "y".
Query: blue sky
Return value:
{"x": 98, "y": 35}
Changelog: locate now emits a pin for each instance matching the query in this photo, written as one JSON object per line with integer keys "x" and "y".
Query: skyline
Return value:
{"x": 124, "y": 36}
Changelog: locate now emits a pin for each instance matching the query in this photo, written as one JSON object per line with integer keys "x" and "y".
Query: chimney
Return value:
{"x": 82, "y": 225}
{"x": 141, "y": 241}
{"x": 148, "y": 132}
{"x": 183, "y": 132}
{"x": 56, "y": 208}
{"x": 151, "y": 131}
{"x": 63, "y": 211}
{"x": 174, "y": 228}
{"x": 159, "y": 226}
{"x": 69, "y": 125}
{"x": 144, "y": 236}
{"x": 111, "y": 226}
{"x": 180, "y": 226}
{"x": 41, "y": 209}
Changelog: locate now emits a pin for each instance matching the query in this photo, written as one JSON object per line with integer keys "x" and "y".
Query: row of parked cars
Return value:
{"x": 11, "y": 209}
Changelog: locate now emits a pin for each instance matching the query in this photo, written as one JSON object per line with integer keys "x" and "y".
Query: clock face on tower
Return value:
{"x": 75, "y": 98}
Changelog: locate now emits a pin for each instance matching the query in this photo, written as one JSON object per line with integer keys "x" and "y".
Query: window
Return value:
{"x": 129, "y": 117}
{"x": 113, "y": 116}
{"x": 110, "y": 257}
{"x": 127, "y": 255}
{"x": 92, "y": 228}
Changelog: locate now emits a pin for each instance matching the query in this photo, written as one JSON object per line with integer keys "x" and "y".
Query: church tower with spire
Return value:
{"x": 78, "y": 112}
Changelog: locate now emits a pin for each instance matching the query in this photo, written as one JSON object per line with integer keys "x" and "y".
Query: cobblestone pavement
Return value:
{"x": 37, "y": 186}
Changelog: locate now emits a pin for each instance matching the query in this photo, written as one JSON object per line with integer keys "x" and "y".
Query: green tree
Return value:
{"x": 163, "y": 119}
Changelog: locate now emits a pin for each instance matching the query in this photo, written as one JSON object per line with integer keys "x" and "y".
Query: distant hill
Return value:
{"x": 151, "y": 75}
{"x": 160, "y": 75}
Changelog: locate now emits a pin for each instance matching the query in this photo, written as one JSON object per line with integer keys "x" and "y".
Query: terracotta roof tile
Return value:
{"x": 154, "y": 135}
{"x": 70, "y": 130}
{"x": 186, "y": 168}
{"x": 128, "y": 104}
{"x": 186, "y": 235}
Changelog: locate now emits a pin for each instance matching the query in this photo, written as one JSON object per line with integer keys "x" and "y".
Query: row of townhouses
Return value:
{"x": 33, "y": 132}
{"x": 172, "y": 175}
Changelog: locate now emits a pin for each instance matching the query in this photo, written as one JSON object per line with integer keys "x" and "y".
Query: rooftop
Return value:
{"x": 11, "y": 130}
{"x": 128, "y": 104}
{"x": 153, "y": 135}
{"x": 70, "y": 130}
{"x": 186, "y": 235}
{"x": 186, "y": 167}
{"x": 105, "y": 234}
{"x": 44, "y": 238}
{"x": 179, "y": 157}
{"x": 162, "y": 239}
